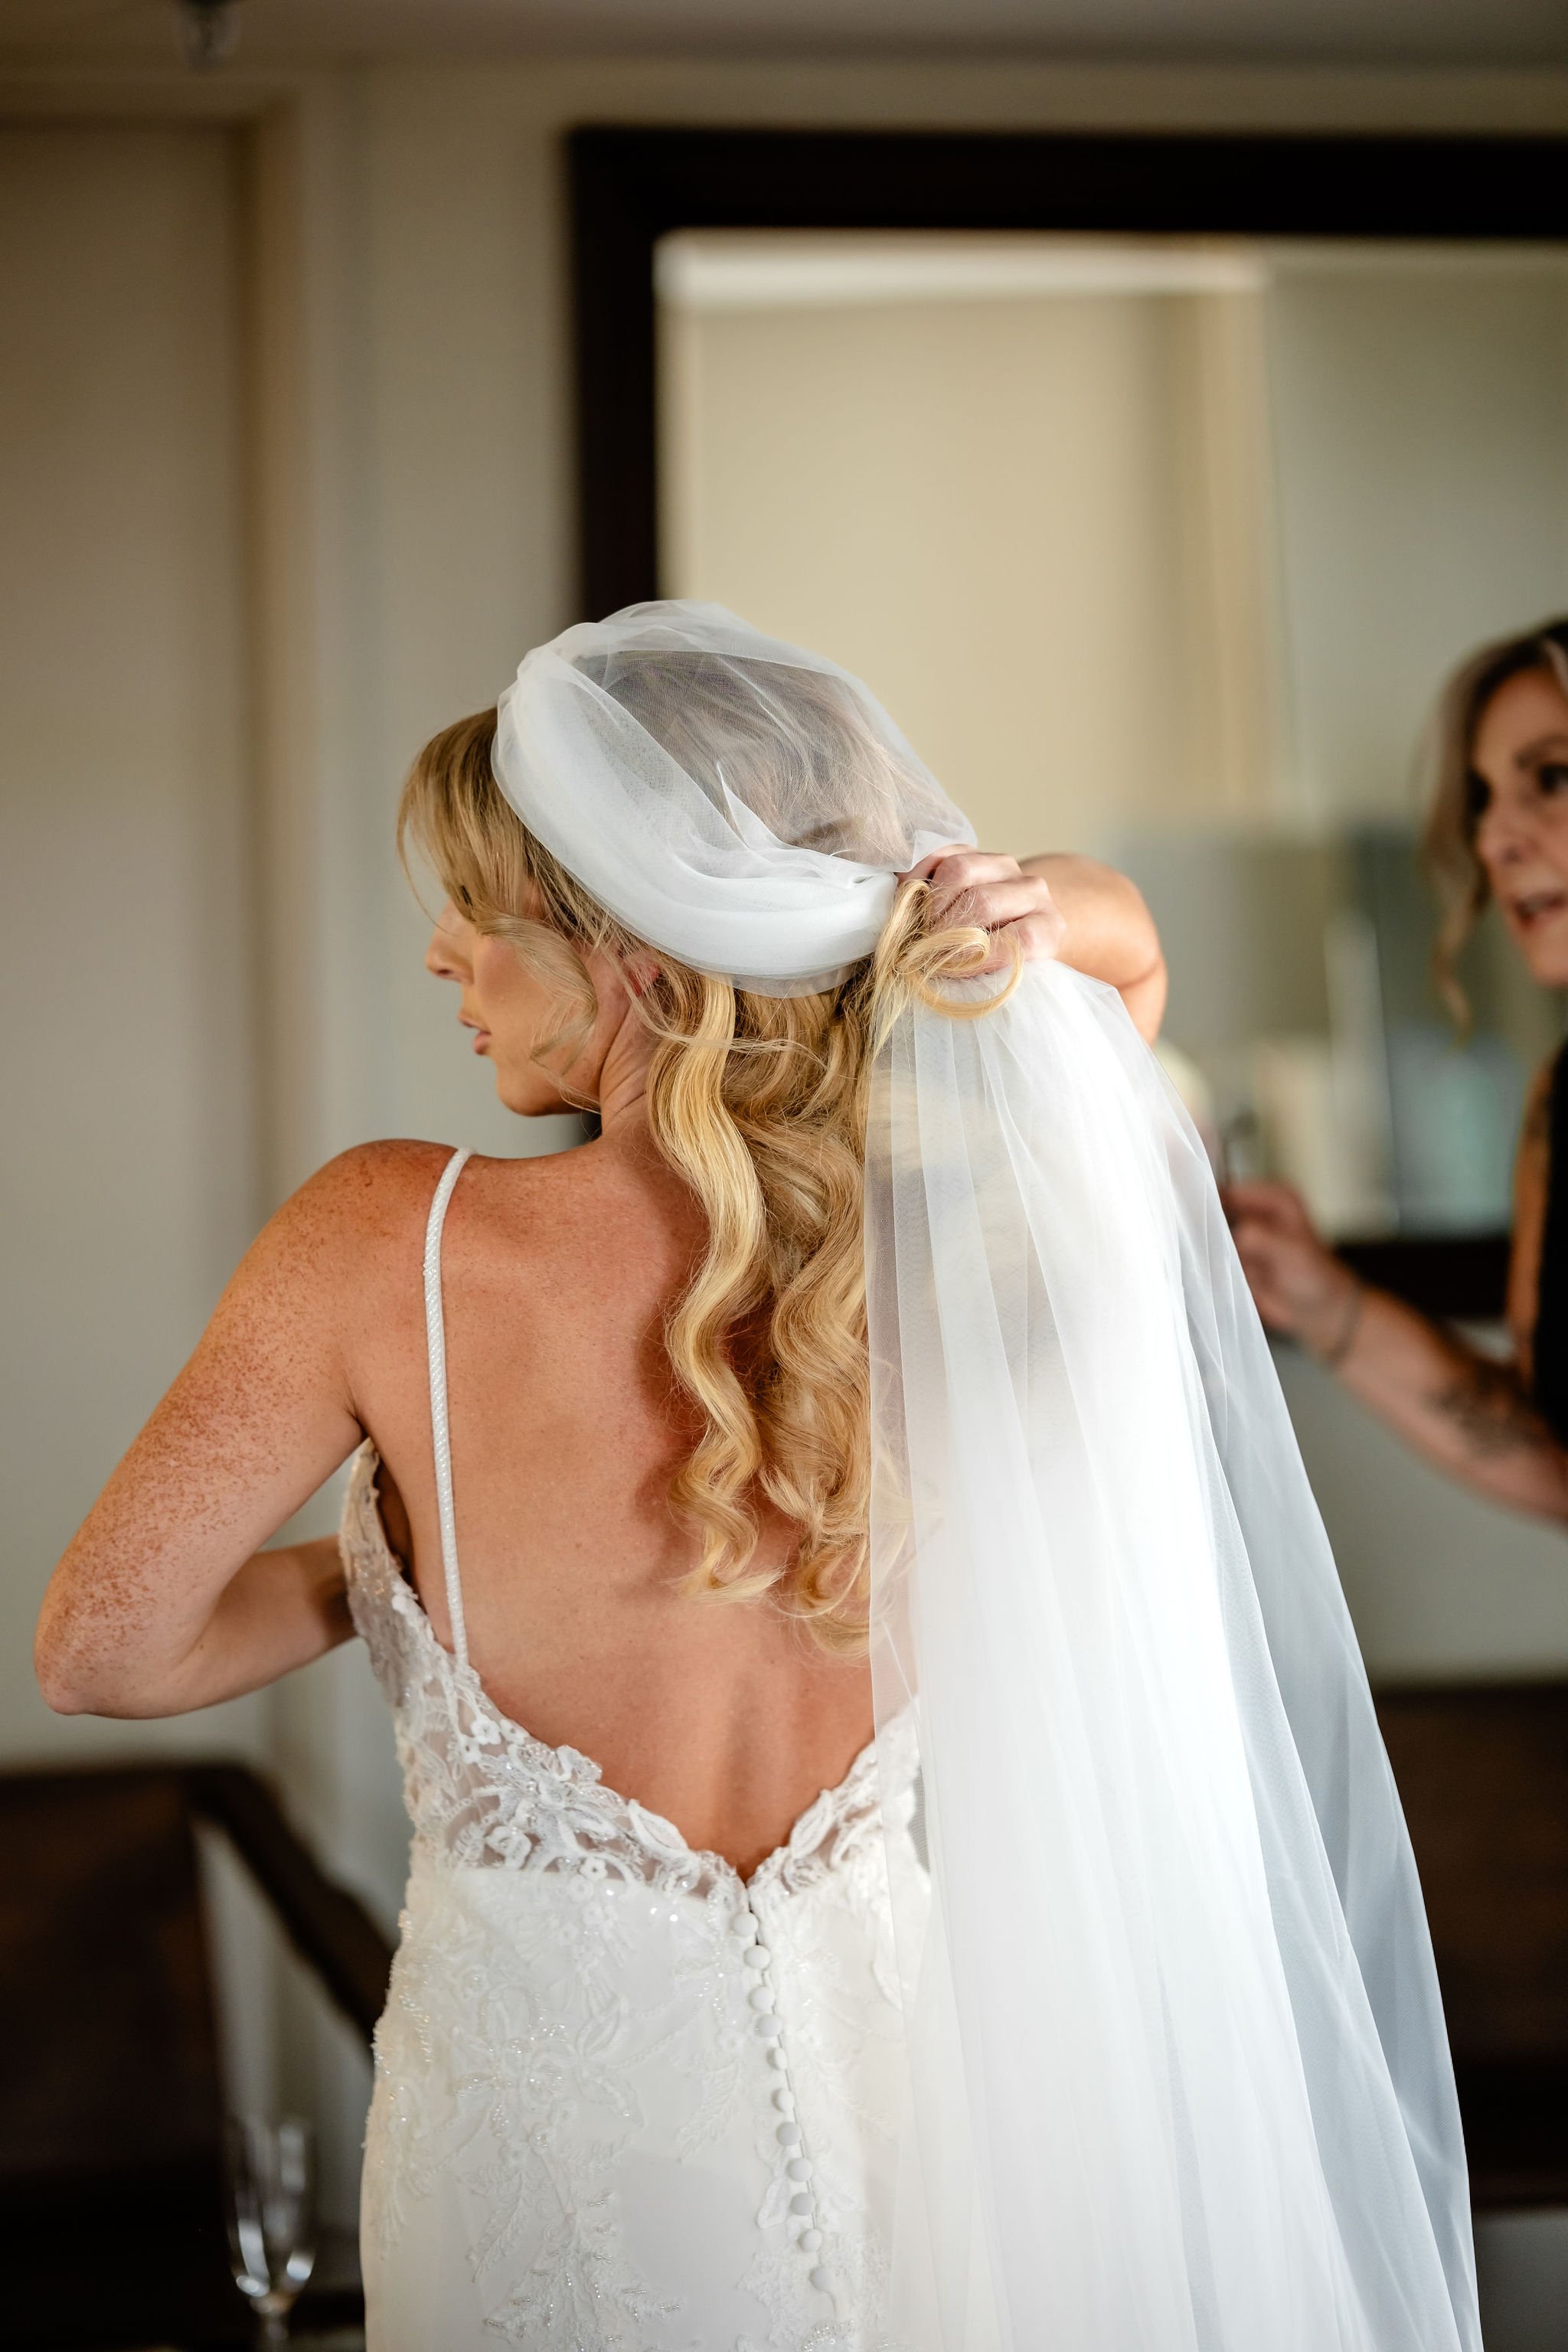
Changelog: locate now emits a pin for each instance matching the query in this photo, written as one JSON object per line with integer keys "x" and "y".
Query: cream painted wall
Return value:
{"x": 134, "y": 919}
{"x": 131, "y": 1181}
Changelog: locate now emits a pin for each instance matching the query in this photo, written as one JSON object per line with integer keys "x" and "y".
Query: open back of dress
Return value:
{"x": 625, "y": 2099}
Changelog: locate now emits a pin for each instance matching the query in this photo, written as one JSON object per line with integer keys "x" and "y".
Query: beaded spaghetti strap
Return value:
{"x": 440, "y": 1431}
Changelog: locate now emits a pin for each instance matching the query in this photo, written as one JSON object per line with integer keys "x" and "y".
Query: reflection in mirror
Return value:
{"x": 1160, "y": 550}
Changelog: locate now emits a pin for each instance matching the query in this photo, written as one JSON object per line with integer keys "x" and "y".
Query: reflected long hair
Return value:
{"x": 1455, "y": 794}
{"x": 758, "y": 1103}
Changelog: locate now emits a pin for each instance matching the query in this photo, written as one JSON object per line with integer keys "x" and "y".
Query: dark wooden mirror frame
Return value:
{"x": 631, "y": 186}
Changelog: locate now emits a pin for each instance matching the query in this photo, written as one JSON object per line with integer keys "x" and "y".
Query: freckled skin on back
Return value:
{"x": 566, "y": 1430}
{"x": 559, "y": 1275}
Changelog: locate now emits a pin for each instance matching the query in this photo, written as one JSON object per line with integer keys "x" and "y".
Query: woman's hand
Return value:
{"x": 984, "y": 888}
{"x": 1301, "y": 1289}
{"x": 1466, "y": 1413}
{"x": 1085, "y": 916}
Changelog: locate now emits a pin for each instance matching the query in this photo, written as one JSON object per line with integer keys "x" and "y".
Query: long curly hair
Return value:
{"x": 758, "y": 1103}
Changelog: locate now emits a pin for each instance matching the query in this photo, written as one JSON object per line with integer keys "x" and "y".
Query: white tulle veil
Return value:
{"x": 1178, "y": 2080}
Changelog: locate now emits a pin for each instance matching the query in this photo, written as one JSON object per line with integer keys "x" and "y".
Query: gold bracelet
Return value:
{"x": 1332, "y": 1358}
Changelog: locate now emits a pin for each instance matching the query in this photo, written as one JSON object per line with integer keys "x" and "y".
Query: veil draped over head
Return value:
{"x": 1177, "y": 2073}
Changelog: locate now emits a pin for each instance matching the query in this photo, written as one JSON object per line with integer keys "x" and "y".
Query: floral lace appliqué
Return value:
{"x": 577, "y": 2099}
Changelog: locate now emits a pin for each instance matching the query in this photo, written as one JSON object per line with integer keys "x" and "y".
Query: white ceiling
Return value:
{"x": 1367, "y": 32}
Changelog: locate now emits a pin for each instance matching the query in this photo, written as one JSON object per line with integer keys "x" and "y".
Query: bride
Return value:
{"x": 902, "y": 1852}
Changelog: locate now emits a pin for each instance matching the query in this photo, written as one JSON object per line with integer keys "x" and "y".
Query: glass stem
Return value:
{"x": 274, "y": 2329}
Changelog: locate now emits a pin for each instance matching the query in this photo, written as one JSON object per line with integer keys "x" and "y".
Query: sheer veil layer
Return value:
{"x": 1177, "y": 2076}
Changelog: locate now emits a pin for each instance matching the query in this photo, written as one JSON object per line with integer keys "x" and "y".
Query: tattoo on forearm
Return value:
{"x": 1486, "y": 1405}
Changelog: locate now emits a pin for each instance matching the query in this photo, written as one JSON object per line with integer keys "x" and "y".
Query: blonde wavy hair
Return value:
{"x": 1455, "y": 800}
{"x": 758, "y": 1103}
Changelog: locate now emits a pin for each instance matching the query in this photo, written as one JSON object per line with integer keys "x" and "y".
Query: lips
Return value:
{"x": 1535, "y": 907}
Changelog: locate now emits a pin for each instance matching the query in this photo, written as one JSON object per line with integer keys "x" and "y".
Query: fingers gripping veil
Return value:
{"x": 1176, "y": 2075}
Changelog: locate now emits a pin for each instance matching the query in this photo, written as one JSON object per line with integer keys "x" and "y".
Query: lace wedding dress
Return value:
{"x": 625, "y": 2100}
{"x": 1172, "y": 2073}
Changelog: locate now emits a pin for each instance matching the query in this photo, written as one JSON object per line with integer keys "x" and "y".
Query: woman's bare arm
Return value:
{"x": 1110, "y": 932}
{"x": 1467, "y": 1413}
{"x": 162, "y": 1601}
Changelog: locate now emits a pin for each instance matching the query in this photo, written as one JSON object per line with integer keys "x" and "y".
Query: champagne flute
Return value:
{"x": 271, "y": 2216}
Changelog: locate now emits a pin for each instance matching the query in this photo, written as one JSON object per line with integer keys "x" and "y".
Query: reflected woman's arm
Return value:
{"x": 1467, "y": 1413}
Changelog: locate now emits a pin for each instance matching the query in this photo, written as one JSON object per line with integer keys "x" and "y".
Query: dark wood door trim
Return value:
{"x": 631, "y": 186}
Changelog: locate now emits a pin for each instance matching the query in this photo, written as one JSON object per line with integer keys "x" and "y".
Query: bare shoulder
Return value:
{"x": 325, "y": 1256}
{"x": 364, "y": 1198}
{"x": 356, "y": 1230}
{"x": 372, "y": 1182}
{"x": 369, "y": 1207}
{"x": 372, "y": 1185}
{"x": 361, "y": 1219}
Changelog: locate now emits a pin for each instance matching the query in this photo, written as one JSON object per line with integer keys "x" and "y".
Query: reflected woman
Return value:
{"x": 1497, "y": 829}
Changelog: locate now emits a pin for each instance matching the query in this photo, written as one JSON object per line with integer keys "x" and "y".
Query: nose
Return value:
{"x": 444, "y": 958}
{"x": 1503, "y": 835}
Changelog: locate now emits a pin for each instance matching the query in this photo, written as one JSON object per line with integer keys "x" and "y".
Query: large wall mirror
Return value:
{"x": 1155, "y": 484}
{"x": 1157, "y": 518}
{"x": 1159, "y": 550}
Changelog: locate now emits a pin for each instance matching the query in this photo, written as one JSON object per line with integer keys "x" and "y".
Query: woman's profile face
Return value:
{"x": 1520, "y": 765}
{"x": 511, "y": 1013}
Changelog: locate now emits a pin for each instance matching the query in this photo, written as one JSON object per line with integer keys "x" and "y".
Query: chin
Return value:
{"x": 1546, "y": 961}
{"x": 526, "y": 1100}
{"x": 520, "y": 1104}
